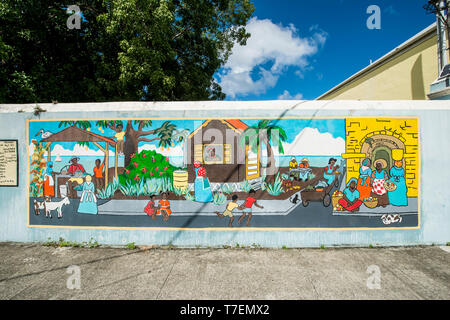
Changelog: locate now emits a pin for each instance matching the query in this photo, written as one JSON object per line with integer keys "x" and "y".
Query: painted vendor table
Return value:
{"x": 299, "y": 172}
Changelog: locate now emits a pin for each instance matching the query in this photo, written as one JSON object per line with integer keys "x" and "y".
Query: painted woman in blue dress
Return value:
{"x": 88, "y": 201}
{"x": 398, "y": 197}
{"x": 329, "y": 175}
{"x": 202, "y": 187}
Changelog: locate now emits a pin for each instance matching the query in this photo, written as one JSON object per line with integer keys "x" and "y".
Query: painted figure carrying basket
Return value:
{"x": 390, "y": 185}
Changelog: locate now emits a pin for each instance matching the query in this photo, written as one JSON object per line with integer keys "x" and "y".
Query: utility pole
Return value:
{"x": 441, "y": 9}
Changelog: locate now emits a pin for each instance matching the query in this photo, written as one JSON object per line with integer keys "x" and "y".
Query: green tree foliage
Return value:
{"x": 125, "y": 50}
{"x": 148, "y": 164}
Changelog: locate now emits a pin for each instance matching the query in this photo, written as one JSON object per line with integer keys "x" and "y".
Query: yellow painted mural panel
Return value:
{"x": 381, "y": 138}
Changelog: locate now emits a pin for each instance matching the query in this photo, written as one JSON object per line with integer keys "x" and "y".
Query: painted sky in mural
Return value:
{"x": 329, "y": 132}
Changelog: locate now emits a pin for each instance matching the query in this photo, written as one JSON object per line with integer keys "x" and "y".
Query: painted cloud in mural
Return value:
{"x": 311, "y": 142}
{"x": 79, "y": 150}
{"x": 168, "y": 152}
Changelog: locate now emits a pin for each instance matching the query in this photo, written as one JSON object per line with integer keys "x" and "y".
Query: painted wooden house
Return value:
{"x": 217, "y": 145}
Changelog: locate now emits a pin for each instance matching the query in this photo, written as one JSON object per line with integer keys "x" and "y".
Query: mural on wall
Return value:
{"x": 225, "y": 173}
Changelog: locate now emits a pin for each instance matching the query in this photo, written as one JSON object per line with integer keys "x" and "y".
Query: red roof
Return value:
{"x": 238, "y": 124}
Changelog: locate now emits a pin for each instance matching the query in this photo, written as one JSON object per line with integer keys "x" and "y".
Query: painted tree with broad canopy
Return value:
{"x": 133, "y": 135}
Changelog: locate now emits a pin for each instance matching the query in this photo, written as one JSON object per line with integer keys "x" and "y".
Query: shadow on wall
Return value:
{"x": 417, "y": 83}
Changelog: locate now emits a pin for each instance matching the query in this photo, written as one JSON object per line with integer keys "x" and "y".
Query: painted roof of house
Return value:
{"x": 235, "y": 124}
{"x": 238, "y": 124}
{"x": 73, "y": 133}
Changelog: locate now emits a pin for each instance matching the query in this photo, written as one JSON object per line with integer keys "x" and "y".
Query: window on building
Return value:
{"x": 213, "y": 153}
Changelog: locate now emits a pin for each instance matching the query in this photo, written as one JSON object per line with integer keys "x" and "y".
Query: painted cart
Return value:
{"x": 319, "y": 196}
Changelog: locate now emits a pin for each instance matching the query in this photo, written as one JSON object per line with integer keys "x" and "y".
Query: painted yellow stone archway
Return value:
{"x": 376, "y": 138}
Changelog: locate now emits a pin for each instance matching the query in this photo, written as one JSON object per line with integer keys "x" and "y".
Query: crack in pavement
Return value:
{"x": 68, "y": 265}
{"x": 165, "y": 280}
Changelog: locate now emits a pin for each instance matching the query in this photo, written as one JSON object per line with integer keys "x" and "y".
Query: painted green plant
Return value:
{"x": 275, "y": 188}
{"x": 151, "y": 186}
{"x": 130, "y": 189}
{"x": 38, "y": 167}
{"x": 147, "y": 164}
{"x": 245, "y": 186}
{"x": 178, "y": 191}
{"x": 188, "y": 195}
{"x": 226, "y": 188}
{"x": 219, "y": 198}
{"x": 109, "y": 191}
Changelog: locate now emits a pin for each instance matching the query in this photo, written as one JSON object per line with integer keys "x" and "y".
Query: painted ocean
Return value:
{"x": 88, "y": 162}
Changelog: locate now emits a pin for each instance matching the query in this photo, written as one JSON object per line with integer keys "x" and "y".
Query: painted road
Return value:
{"x": 313, "y": 216}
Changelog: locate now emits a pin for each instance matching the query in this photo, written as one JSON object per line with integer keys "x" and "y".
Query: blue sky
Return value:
{"x": 300, "y": 49}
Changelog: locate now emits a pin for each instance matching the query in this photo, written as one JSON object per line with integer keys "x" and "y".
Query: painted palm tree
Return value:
{"x": 180, "y": 136}
{"x": 266, "y": 133}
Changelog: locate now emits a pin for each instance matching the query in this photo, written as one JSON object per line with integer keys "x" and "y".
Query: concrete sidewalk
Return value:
{"x": 32, "y": 271}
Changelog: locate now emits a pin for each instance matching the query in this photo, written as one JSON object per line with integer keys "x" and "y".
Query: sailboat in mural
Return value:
{"x": 58, "y": 158}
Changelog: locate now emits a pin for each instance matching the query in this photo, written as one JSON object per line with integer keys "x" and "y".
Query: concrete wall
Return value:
{"x": 434, "y": 149}
{"x": 407, "y": 75}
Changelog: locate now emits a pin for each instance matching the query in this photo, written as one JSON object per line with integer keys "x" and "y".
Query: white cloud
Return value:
{"x": 287, "y": 96}
{"x": 77, "y": 150}
{"x": 279, "y": 46}
{"x": 311, "y": 142}
{"x": 391, "y": 10}
{"x": 176, "y": 151}
{"x": 242, "y": 83}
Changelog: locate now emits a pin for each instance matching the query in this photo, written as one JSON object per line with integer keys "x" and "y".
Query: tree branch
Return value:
{"x": 145, "y": 133}
{"x": 141, "y": 125}
{"x": 148, "y": 140}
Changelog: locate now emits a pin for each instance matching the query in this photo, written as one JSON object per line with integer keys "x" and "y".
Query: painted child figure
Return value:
{"x": 119, "y": 137}
{"x": 164, "y": 207}
{"x": 99, "y": 179}
{"x": 247, "y": 207}
{"x": 229, "y": 210}
{"x": 151, "y": 208}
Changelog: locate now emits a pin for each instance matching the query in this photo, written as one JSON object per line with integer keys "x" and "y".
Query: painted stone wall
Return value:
{"x": 283, "y": 221}
{"x": 397, "y": 133}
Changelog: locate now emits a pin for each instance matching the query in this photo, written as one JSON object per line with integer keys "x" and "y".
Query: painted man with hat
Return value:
{"x": 75, "y": 170}
{"x": 304, "y": 170}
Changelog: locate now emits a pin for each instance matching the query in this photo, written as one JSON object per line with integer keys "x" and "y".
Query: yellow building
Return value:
{"x": 405, "y": 73}
{"x": 377, "y": 138}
